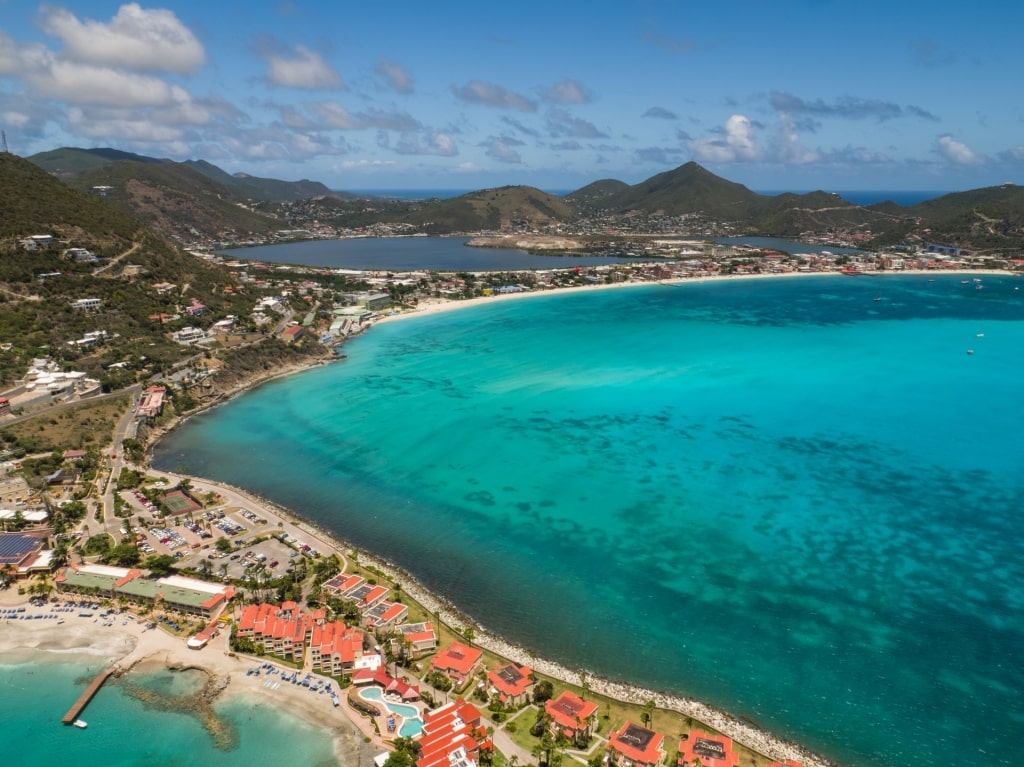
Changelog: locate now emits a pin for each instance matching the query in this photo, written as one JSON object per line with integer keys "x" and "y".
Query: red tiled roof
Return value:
{"x": 512, "y": 680}
{"x": 638, "y": 744}
{"x": 457, "y": 658}
{"x": 568, "y": 710}
{"x": 712, "y": 750}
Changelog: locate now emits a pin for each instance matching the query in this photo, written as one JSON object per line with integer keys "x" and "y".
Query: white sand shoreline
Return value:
{"x": 130, "y": 647}
{"x": 444, "y": 305}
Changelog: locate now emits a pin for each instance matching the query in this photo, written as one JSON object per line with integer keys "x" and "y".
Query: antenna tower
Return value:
{"x": 3, "y": 134}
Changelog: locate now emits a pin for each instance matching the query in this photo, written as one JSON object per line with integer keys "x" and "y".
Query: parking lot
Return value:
{"x": 193, "y": 538}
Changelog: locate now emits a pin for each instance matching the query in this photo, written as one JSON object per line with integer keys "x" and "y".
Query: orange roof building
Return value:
{"x": 457, "y": 661}
{"x": 513, "y": 684}
{"x": 707, "y": 751}
{"x": 452, "y": 736}
{"x": 334, "y": 648}
{"x": 572, "y": 715}
{"x": 636, "y": 745}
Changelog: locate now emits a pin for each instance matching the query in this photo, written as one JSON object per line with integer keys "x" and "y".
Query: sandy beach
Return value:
{"x": 132, "y": 648}
{"x": 442, "y": 305}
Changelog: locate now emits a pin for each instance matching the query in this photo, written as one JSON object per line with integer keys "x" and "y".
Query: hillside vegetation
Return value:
{"x": 37, "y": 288}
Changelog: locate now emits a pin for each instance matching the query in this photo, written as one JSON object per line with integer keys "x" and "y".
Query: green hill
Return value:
{"x": 37, "y": 288}
{"x": 263, "y": 189}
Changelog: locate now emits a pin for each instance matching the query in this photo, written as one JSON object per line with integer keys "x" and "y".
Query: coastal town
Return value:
{"x": 359, "y": 646}
{"x": 98, "y": 542}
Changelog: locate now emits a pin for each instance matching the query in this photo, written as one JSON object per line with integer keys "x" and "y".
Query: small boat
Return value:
{"x": 970, "y": 351}
{"x": 981, "y": 335}
{"x": 81, "y": 724}
{"x": 878, "y": 298}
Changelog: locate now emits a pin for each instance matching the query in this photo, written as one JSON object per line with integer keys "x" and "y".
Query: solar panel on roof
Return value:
{"x": 14, "y": 547}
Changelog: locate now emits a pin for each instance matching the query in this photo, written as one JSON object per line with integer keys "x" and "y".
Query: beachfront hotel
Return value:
{"x": 453, "y": 736}
{"x": 513, "y": 684}
{"x": 187, "y": 595}
{"x": 705, "y": 750}
{"x": 289, "y": 633}
{"x": 458, "y": 662}
{"x": 24, "y": 554}
{"x": 572, "y": 715}
{"x": 636, "y": 746}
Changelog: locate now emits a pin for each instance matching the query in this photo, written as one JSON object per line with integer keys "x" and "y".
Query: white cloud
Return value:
{"x": 120, "y": 125}
{"x": 436, "y": 143}
{"x": 788, "y": 148}
{"x": 333, "y": 115}
{"x": 958, "y": 152}
{"x": 135, "y": 38}
{"x": 566, "y": 92}
{"x": 398, "y": 79}
{"x": 87, "y": 84}
{"x": 477, "y": 92}
{"x": 502, "y": 149}
{"x": 735, "y": 142}
{"x": 303, "y": 69}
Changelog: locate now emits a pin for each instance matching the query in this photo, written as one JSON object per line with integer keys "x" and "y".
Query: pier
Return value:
{"x": 86, "y": 696}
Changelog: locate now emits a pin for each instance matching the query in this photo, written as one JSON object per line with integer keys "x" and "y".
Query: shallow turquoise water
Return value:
{"x": 122, "y": 732}
{"x": 784, "y": 497}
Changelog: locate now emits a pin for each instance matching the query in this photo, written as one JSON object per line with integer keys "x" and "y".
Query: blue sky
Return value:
{"x": 773, "y": 94}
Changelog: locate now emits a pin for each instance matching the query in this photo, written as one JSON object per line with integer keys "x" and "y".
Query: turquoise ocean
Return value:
{"x": 124, "y": 731}
{"x": 797, "y": 499}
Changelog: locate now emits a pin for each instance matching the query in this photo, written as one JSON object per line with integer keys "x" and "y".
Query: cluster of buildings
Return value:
{"x": 286, "y": 631}
{"x": 370, "y": 599}
{"x": 187, "y": 595}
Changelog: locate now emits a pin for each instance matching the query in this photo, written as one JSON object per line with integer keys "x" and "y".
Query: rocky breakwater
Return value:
{"x": 198, "y": 704}
{"x": 740, "y": 731}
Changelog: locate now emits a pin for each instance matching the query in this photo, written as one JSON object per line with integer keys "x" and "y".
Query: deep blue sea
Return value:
{"x": 905, "y": 197}
{"x": 798, "y": 499}
{"x": 125, "y": 732}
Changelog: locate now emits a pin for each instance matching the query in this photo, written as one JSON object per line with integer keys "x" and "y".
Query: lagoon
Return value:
{"x": 409, "y": 254}
{"x": 797, "y": 499}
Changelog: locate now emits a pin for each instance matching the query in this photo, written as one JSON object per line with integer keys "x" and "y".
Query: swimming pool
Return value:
{"x": 411, "y": 722}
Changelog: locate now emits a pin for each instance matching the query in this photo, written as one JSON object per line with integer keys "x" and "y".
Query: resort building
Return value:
{"x": 513, "y": 684}
{"x": 24, "y": 554}
{"x": 334, "y": 648}
{"x": 452, "y": 736}
{"x": 458, "y": 662}
{"x": 283, "y": 631}
{"x": 787, "y": 763}
{"x": 342, "y": 585}
{"x": 367, "y": 596}
{"x": 420, "y": 638}
{"x": 175, "y": 592}
{"x": 388, "y": 684}
{"x": 385, "y": 614}
{"x": 703, "y": 750}
{"x": 636, "y": 746}
{"x": 572, "y": 715}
